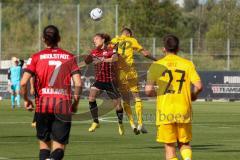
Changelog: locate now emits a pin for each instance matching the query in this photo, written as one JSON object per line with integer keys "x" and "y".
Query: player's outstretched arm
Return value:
{"x": 27, "y": 102}
{"x": 77, "y": 91}
{"x": 148, "y": 55}
{"x": 198, "y": 87}
{"x": 114, "y": 58}
{"x": 88, "y": 59}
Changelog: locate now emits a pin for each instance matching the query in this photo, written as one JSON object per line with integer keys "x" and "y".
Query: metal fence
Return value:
{"x": 21, "y": 28}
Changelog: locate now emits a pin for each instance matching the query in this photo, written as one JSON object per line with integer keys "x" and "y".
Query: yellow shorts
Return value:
{"x": 128, "y": 80}
{"x": 175, "y": 132}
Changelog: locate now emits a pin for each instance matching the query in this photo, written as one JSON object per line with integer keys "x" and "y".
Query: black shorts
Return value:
{"x": 53, "y": 127}
{"x": 109, "y": 87}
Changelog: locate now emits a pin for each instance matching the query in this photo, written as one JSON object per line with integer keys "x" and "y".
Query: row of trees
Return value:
{"x": 211, "y": 21}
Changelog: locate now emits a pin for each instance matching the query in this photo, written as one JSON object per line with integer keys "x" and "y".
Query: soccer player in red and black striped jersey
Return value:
{"x": 53, "y": 69}
{"x": 104, "y": 59}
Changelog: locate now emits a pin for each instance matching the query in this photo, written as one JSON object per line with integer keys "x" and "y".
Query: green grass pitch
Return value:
{"x": 216, "y": 135}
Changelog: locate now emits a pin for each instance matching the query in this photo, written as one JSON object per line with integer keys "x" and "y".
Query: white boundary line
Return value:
{"x": 112, "y": 120}
{"x": 223, "y": 126}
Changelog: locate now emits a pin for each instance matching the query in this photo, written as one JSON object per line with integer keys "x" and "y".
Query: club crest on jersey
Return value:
{"x": 105, "y": 53}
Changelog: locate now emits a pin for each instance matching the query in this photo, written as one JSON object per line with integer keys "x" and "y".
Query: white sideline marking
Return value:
{"x": 224, "y": 127}
{"x": 112, "y": 120}
{"x": 106, "y": 119}
{"x": 3, "y": 158}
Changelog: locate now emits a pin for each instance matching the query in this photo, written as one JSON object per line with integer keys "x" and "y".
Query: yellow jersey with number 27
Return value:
{"x": 173, "y": 76}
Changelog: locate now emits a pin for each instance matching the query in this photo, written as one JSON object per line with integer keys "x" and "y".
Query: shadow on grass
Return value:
{"x": 2, "y": 137}
{"x": 100, "y": 155}
{"x": 206, "y": 147}
{"x": 195, "y": 147}
{"x": 147, "y": 147}
{"x": 229, "y": 151}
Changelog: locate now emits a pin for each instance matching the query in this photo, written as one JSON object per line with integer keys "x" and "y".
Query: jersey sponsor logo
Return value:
{"x": 54, "y": 56}
{"x": 231, "y": 79}
{"x": 54, "y": 91}
{"x": 179, "y": 118}
{"x": 225, "y": 89}
{"x": 105, "y": 53}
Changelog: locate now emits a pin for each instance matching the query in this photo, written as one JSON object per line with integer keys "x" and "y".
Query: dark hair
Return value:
{"x": 51, "y": 35}
{"x": 21, "y": 63}
{"x": 128, "y": 30}
{"x": 171, "y": 43}
{"x": 106, "y": 37}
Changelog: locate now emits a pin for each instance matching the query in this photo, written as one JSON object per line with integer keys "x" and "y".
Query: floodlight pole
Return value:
{"x": 116, "y": 20}
{"x": 39, "y": 26}
{"x": 154, "y": 47}
{"x": 191, "y": 49}
{"x": 228, "y": 54}
{"x": 78, "y": 31}
{"x": 0, "y": 35}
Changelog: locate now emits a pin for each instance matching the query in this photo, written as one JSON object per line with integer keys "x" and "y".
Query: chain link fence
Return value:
{"x": 21, "y": 28}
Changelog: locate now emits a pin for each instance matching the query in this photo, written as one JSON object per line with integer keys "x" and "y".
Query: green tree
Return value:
{"x": 149, "y": 17}
{"x": 190, "y": 5}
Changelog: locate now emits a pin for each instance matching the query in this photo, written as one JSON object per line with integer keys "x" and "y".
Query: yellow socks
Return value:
{"x": 186, "y": 154}
{"x": 173, "y": 159}
{"x": 128, "y": 110}
{"x": 138, "y": 108}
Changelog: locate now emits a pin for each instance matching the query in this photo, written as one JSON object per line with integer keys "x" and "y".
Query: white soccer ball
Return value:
{"x": 96, "y": 14}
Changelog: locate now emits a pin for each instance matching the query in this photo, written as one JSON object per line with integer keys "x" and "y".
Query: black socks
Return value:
{"x": 57, "y": 154}
{"x": 94, "y": 111}
{"x": 119, "y": 115}
{"x": 44, "y": 154}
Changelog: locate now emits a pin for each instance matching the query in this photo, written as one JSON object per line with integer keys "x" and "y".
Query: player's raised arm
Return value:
{"x": 88, "y": 59}
{"x": 114, "y": 58}
{"x": 147, "y": 54}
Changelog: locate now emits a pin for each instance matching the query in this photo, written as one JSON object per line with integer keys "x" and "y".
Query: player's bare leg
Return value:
{"x": 138, "y": 109}
{"x": 93, "y": 109}
{"x": 119, "y": 112}
{"x": 45, "y": 150}
{"x": 186, "y": 151}
{"x": 170, "y": 151}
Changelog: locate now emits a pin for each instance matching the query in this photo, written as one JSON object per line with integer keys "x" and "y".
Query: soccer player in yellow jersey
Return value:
{"x": 174, "y": 77}
{"x": 127, "y": 78}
